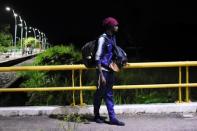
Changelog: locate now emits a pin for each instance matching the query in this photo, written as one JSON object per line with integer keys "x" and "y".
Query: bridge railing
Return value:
{"x": 179, "y": 85}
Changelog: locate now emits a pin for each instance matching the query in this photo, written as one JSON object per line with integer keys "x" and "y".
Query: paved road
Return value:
{"x": 3, "y": 58}
{"x": 140, "y": 122}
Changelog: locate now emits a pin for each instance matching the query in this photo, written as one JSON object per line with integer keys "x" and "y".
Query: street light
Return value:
{"x": 34, "y": 35}
{"x": 21, "y": 25}
{"x": 39, "y": 34}
{"x": 25, "y": 28}
{"x": 42, "y": 40}
{"x": 7, "y": 8}
{"x": 45, "y": 41}
{"x": 15, "y": 15}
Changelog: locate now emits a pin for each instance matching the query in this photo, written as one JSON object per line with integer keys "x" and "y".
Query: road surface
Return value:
{"x": 139, "y": 122}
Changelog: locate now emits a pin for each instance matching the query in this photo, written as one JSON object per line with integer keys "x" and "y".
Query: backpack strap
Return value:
{"x": 105, "y": 36}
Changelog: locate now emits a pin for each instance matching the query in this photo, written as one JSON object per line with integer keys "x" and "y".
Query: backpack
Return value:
{"x": 119, "y": 57}
{"x": 88, "y": 53}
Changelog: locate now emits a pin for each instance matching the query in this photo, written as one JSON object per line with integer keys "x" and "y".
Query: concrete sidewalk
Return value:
{"x": 119, "y": 109}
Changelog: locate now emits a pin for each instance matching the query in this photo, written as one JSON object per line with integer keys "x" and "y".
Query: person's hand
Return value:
{"x": 114, "y": 67}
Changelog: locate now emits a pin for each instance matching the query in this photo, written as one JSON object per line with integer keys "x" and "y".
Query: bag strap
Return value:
{"x": 114, "y": 40}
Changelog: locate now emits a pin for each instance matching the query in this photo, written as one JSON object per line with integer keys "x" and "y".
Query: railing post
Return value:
{"x": 187, "y": 82}
{"x": 180, "y": 81}
{"x": 73, "y": 85}
{"x": 80, "y": 84}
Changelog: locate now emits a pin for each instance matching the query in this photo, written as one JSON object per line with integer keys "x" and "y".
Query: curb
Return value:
{"x": 119, "y": 109}
{"x": 15, "y": 61}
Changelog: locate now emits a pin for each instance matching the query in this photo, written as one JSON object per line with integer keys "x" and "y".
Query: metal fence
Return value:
{"x": 179, "y": 85}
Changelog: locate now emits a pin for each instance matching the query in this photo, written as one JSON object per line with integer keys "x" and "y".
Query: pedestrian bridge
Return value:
{"x": 80, "y": 67}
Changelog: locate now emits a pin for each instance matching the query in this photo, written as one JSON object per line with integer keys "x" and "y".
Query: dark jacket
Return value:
{"x": 104, "y": 53}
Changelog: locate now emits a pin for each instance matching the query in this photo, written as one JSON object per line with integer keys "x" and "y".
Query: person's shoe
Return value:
{"x": 116, "y": 122}
{"x": 98, "y": 120}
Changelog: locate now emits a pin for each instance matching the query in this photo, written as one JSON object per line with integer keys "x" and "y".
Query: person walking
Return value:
{"x": 105, "y": 71}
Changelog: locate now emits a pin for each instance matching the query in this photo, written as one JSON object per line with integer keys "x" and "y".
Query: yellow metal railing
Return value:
{"x": 179, "y": 85}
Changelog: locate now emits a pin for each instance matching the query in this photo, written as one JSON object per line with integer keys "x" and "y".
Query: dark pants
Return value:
{"x": 106, "y": 92}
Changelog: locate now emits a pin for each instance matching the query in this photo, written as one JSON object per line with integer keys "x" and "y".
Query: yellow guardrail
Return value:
{"x": 81, "y": 67}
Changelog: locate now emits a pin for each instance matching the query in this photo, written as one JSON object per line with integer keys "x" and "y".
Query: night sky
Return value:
{"x": 149, "y": 29}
